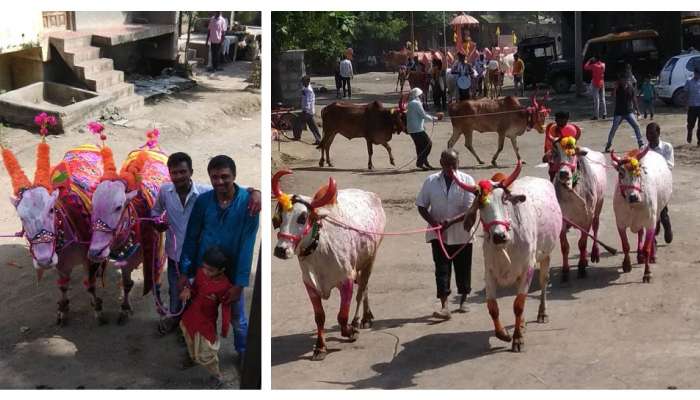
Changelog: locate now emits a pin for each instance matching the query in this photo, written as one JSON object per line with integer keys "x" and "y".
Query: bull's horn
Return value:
{"x": 642, "y": 153}
{"x": 614, "y": 157}
{"x": 465, "y": 186}
{"x": 512, "y": 177}
{"x": 42, "y": 175}
{"x": 276, "y": 191}
{"x": 17, "y": 176}
{"x": 327, "y": 197}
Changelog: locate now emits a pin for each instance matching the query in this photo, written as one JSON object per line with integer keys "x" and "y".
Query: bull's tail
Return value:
{"x": 323, "y": 128}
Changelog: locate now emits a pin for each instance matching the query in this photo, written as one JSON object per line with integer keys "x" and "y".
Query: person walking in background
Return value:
{"x": 480, "y": 68}
{"x": 463, "y": 72}
{"x": 648, "y": 94}
{"x": 215, "y": 35}
{"x": 625, "y": 108}
{"x": 308, "y": 109}
{"x": 441, "y": 202}
{"x": 338, "y": 78}
{"x": 438, "y": 84}
{"x": 415, "y": 116}
{"x": 666, "y": 150}
{"x": 346, "y": 75}
{"x": 597, "y": 70}
{"x": 629, "y": 75}
{"x": 692, "y": 88}
{"x": 518, "y": 74}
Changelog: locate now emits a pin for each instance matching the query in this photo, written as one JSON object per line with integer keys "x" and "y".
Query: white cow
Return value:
{"x": 521, "y": 221}
{"x": 644, "y": 188}
{"x": 579, "y": 181}
{"x": 331, "y": 255}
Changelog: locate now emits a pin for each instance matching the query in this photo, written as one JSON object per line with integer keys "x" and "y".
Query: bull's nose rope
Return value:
{"x": 437, "y": 229}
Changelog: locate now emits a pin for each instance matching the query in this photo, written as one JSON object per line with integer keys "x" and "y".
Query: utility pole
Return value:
{"x": 413, "y": 37}
{"x": 578, "y": 57}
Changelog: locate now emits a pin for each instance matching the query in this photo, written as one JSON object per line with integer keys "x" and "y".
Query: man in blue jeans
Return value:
{"x": 625, "y": 108}
{"x": 174, "y": 203}
{"x": 221, "y": 218}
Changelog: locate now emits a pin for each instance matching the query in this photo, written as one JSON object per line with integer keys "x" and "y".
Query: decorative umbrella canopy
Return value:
{"x": 464, "y": 19}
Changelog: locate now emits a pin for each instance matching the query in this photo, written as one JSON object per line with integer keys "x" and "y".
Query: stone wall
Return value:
{"x": 21, "y": 68}
{"x": 287, "y": 72}
{"x": 100, "y": 19}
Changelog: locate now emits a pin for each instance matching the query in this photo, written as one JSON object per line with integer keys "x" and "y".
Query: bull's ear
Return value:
{"x": 321, "y": 212}
{"x": 131, "y": 195}
{"x": 277, "y": 217}
{"x": 470, "y": 218}
{"x": 581, "y": 152}
{"x": 14, "y": 200}
{"x": 517, "y": 198}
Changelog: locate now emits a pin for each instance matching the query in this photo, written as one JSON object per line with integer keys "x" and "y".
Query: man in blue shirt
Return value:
{"x": 692, "y": 88}
{"x": 220, "y": 218}
{"x": 176, "y": 200}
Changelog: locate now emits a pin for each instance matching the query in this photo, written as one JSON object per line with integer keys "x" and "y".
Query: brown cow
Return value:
{"x": 419, "y": 79}
{"x": 371, "y": 121}
{"x": 505, "y": 116}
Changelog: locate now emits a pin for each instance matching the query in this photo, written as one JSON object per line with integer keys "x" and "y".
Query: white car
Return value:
{"x": 673, "y": 76}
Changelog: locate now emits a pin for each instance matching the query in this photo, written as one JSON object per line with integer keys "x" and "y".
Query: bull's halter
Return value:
{"x": 61, "y": 224}
{"x": 120, "y": 232}
{"x": 624, "y": 187}
{"x": 504, "y": 223}
{"x": 312, "y": 224}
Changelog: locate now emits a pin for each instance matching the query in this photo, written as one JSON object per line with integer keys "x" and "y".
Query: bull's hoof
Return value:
{"x": 641, "y": 258}
{"x": 101, "y": 319}
{"x": 646, "y": 278}
{"x": 355, "y": 322}
{"x": 564, "y": 276}
{"x": 329, "y": 164}
{"x": 350, "y": 332}
{"x": 494, "y": 164}
{"x": 523, "y": 162}
{"x": 518, "y": 345}
{"x": 503, "y": 335}
{"x": 626, "y": 265}
{"x": 366, "y": 323}
{"x": 542, "y": 318}
{"x": 392, "y": 162}
{"x": 582, "y": 270}
{"x": 595, "y": 255}
{"x": 369, "y": 167}
{"x": 319, "y": 354}
{"x": 480, "y": 162}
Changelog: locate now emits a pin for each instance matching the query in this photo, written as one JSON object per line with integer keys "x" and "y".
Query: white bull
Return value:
{"x": 330, "y": 255}
{"x": 644, "y": 188}
{"x": 521, "y": 221}
{"x": 579, "y": 182}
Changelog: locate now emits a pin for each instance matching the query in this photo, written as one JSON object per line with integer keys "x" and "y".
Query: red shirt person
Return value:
{"x": 208, "y": 292}
{"x": 597, "y": 70}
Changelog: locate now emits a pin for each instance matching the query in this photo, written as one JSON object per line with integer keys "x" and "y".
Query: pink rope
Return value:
{"x": 11, "y": 235}
{"x": 438, "y": 229}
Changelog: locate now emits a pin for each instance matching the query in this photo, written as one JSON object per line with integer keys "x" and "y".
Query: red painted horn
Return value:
{"x": 642, "y": 153}
{"x": 465, "y": 186}
{"x": 512, "y": 177}
{"x": 328, "y": 196}
{"x": 614, "y": 157}
{"x": 276, "y": 191}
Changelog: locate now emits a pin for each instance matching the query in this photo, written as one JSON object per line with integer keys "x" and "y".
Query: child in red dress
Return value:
{"x": 198, "y": 324}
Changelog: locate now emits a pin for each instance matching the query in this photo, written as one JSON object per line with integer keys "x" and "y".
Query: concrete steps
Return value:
{"x": 98, "y": 73}
{"x": 92, "y": 67}
{"x": 103, "y": 80}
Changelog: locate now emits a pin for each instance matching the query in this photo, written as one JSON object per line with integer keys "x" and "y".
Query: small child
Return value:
{"x": 648, "y": 95}
{"x": 666, "y": 150}
{"x": 198, "y": 323}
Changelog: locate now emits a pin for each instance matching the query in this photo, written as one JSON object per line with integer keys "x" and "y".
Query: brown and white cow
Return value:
{"x": 505, "y": 116}
{"x": 372, "y": 121}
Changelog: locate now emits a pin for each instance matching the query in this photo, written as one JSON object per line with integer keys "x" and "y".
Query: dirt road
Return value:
{"x": 606, "y": 331}
{"x": 218, "y": 116}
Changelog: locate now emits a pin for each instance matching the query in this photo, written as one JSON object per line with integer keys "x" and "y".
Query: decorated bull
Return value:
{"x": 122, "y": 206}
{"x": 579, "y": 182}
{"x": 331, "y": 255}
{"x": 505, "y": 116}
{"x": 55, "y": 215}
{"x": 521, "y": 220}
{"x": 372, "y": 121}
{"x": 643, "y": 189}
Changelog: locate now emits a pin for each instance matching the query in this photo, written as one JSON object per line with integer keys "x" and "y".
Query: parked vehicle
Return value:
{"x": 672, "y": 77}
{"x": 638, "y": 48}
{"x": 537, "y": 52}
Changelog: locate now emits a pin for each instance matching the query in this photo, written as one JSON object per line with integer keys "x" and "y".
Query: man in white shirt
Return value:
{"x": 215, "y": 35}
{"x": 346, "y": 75}
{"x": 666, "y": 150}
{"x": 308, "y": 109}
{"x": 442, "y": 202}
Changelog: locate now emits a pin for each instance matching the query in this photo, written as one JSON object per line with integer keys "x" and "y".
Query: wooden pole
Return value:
{"x": 578, "y": 57}
{"x": 413, "y": 37}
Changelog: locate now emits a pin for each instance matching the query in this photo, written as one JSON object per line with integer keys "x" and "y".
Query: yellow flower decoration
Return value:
{"x": 633, "y": 167}
{"x": 569, "y": 145}
{"x": 285, "y": 201}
